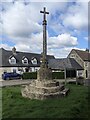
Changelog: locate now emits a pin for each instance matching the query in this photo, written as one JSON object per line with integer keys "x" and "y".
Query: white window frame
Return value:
{"x": 34, "y": 61}
{"x": 12, "y": 60}
{"x": 25, "y": 61}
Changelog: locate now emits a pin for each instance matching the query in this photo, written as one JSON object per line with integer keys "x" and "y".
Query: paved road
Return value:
{"x": 14, "y": 82}
{"x": 23, "y": 82}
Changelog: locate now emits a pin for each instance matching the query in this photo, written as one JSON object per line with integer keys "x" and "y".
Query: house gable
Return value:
{"x": 73, "y": 54}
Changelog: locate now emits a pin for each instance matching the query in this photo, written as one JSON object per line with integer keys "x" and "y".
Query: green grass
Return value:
{"x": 75, "y": 105}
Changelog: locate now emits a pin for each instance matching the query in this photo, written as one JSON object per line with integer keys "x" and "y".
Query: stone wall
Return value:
{"x": 74, "y": 55}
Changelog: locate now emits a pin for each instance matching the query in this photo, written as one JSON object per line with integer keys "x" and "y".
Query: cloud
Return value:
{"x": 35, "y": 46}
{"x": 58, "y": 52}
{"x": 76, "y": 16}
{"x": 31, "y": 44}
{"x": 86, "y": 38}
{"x": 75, "y": 21}
{"x": 7, "y": 47}
{"x": 22, "y": 20}
{"x": 22, "y": 23}
{"x": 0, "y": 29}
{"x": 63, "y": 40}
{"x": 62, "y": 52}
{"x": 35, "y": 0}
{"x": 18, "y": 21}
{"x": 82, "y": 0}
{"x": 35, "y": 43}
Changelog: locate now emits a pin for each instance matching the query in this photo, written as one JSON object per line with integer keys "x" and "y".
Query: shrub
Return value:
{"x": 33, "y": 75}
{"x": 29, "y": 75}
{"x": 58, "y": 75}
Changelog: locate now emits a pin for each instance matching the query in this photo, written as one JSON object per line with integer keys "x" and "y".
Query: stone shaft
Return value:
{"x": 44, "y": 61}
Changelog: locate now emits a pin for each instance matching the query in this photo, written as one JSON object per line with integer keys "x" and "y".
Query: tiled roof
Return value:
{"x": 65, "y": 63}
{"x": 85, "y": 55}
{"x": 5, "y": 55}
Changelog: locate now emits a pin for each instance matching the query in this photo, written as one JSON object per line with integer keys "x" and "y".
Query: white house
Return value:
{"x": 11, "y": 61}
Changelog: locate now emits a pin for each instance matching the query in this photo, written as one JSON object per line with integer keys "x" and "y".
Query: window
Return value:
{"x": 25, "y": 61}
{"x": 72, "y": 55}
{"x": 34, "y": 61}
{"x": 12, "y": 60}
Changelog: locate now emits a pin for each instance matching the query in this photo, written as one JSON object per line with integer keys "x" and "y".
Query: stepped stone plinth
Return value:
{"x": 44, "y": 89}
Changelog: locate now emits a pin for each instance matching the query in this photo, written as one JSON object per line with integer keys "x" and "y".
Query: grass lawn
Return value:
{"x": 75, "y": 105}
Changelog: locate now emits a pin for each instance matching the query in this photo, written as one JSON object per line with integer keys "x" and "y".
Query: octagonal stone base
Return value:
{"x": 44, "y": 89}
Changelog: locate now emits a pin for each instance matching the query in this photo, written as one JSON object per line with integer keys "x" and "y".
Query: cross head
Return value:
{"x": 44, "y": 11}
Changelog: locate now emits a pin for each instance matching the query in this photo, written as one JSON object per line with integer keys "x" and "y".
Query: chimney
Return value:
{"x": 14, "y": 50}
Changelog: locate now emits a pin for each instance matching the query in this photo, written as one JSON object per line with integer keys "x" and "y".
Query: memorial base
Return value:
{"x": 44, "y": 90}
{"x": 44, "y": 74}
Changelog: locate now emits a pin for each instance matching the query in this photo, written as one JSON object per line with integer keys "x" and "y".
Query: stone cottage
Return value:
{"x": 83, "y": 59}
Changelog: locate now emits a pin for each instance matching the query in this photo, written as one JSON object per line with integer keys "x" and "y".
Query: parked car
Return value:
{"x": 11, "y": 75}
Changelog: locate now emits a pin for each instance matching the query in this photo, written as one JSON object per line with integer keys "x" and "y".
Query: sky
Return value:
{"x": 21, "y": 25}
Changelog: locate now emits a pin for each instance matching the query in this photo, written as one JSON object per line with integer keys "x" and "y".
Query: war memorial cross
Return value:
{"x": 44, "y": 36}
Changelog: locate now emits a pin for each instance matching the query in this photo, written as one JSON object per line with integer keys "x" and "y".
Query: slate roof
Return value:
{"x": 5, "y": 55}
{"x": 68, "y": 63}
{"x": 85, "y": 55}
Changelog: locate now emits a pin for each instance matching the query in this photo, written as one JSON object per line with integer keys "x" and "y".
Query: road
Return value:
{"x": 23, "y": 82}
{"x": 14, "y": 82}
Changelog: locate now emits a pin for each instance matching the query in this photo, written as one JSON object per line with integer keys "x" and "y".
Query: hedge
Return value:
{"x": 29, "y": 75}
{"x": 33, "y": 75}
{"x": 58, "y": 75}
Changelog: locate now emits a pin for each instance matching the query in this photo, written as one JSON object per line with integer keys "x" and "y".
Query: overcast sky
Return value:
{"x": 21, "y": 25}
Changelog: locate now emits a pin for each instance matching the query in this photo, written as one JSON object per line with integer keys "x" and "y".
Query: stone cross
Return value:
{"x": 44, "y": 37}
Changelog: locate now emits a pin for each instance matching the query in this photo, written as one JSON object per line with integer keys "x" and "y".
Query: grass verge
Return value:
{"x": 75, "y": 105}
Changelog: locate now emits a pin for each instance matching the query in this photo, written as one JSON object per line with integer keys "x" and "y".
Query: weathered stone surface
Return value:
{"x": 43, "y": 90}
{"x": 44, "y": 74}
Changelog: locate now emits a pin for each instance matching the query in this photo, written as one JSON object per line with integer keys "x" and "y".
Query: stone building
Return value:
{"x": 68, "y": 65}
{"x": 83, "y": 59}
